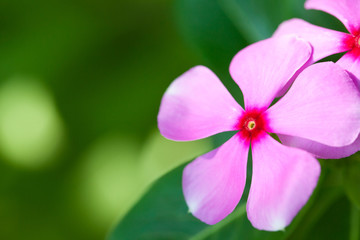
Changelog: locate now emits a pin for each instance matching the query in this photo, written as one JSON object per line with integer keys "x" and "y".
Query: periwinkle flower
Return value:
{"x": 323, "y": 105}
{"x": 326, "y": 41}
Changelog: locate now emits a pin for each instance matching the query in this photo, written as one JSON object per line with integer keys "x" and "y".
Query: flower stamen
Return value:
{"x": 251, "y": 124}
{"x": 357, "y": 41}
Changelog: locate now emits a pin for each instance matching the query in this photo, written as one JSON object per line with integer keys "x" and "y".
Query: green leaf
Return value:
{"x": 161, "y": 213}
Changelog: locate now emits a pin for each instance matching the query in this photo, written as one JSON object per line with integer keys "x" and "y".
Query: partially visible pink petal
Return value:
{"x": 320, "y": 150}
{"x": 283, "y": 180}
{"x": 213, "y": 183}
{"x": 264, "y": 68}
{"x": 351, "y": 62}
{"x": 323, "y": 105}
{"x": 347, "y": 11}
{"x": 325, "y": 42}
{"x": 197, "y": 105}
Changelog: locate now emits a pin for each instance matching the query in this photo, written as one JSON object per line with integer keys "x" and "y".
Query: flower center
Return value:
{"x": 251, "y": 124}
{"x": 357, "y": 41}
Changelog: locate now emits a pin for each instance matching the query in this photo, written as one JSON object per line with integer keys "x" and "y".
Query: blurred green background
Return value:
{"x": 80, "y": 87}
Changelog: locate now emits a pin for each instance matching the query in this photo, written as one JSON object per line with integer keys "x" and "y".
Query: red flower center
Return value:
{"x": 251, "y": 124}
{"x": 352, "y": 42}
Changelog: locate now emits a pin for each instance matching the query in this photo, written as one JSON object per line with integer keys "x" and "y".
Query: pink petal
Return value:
{"x": 263, "y": 68}
{"x": 320, "y": 150}
{"x": 347, "y": 11}
{"x": 324, "y": 41}
{"x": 197, "y": 105}
{"x": 323, "y": 105}
{"x": 351, "y": 62}
{"x": 213, "y": 183}
{"x": 282, "y": 182}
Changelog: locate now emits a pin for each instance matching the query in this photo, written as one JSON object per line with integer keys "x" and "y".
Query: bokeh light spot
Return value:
{"x": 31, "y": 131}
{"x": 107, "y": 180}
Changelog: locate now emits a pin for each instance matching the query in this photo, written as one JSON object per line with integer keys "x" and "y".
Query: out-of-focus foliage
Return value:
{"x": 80, "y": 86}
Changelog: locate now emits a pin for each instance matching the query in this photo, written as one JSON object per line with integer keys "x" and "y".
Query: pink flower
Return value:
{"x": 197, "y": 105}
{"x": 326, "y": 42}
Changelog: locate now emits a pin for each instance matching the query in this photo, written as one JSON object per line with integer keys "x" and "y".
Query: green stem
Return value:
{"x": 354, "y": 223}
